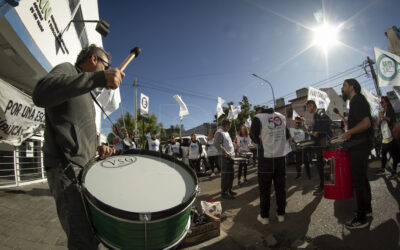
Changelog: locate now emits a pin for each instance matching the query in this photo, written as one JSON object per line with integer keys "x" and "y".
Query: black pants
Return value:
{"x": 195, "y": 164}
{"x": 392, "y": 149}
{"x": 303, "y": 157}
{"x": 318, "y": 150}
{"x": 272, "y": 169}
{"x": 362, "y": 189}
{"x": 242, "y": 168}
{"x": 227, "y": 173}
{"x": 213, "y": 162}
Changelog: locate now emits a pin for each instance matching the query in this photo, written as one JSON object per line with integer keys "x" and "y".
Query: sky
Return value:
{"x": 205, "y": 49}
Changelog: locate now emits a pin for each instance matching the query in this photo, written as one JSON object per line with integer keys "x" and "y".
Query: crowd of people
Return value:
{"x": 71, "y": 142}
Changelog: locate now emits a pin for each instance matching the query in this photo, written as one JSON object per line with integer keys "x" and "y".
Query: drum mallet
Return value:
{"x": 134, "y": 53}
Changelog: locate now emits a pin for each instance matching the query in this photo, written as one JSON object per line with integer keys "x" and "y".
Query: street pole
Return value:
{"x": 122, "y": 116}
{"x": 378, "y": 90}
{"x": 135, "y": 88}
{"x": 180, "y": 126}
{"x": 273, "y": 95}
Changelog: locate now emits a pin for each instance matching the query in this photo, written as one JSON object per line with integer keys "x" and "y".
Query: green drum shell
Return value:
{"x": 121, "y": 229}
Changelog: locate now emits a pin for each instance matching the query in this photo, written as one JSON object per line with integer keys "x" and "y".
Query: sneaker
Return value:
{"x": 232, "y": 193}
{"x": 262, "y": 220}
{"x": 281, "y": 218}
{"x": 320, "y": 190}
{"x": 212, "y": 174}
{"x": 356, "y": 222}
{"x": 227, "y": 196}
{"x": 380, "y": 171}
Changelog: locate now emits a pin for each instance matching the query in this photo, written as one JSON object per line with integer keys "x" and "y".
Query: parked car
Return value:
{"x": 185, "y": 147}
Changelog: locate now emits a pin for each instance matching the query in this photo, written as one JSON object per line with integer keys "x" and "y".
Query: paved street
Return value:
{"x": 28, "y": 218}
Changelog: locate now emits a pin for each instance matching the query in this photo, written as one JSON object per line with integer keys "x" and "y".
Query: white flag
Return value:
{"x": 371, "y": 98}
{"x": 387, "y": 67}
{"x": 320, "y": 98}
{"x": 144, "y": 104}
{"x": 183, "y": 110}
{"x": 248, "y": 122}
{"x": 294, "y": 115}
{"x": 220, "y": 111}
{"x": 234, "y": 112}
{"x": 110, "y": 99}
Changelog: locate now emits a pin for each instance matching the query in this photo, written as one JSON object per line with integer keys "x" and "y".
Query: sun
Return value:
{"x": 325, "y": 36}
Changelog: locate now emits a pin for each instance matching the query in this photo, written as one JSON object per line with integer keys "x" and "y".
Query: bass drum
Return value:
{"x": 139, "y": 200}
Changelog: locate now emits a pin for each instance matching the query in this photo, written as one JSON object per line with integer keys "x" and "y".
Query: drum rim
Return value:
{"x": 135, "y": 216}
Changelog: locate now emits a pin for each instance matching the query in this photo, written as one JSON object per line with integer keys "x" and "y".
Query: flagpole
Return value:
{"x": 180, "y": 126}
{"x": 378, "y": 90}
{"x": 122, "y": 116}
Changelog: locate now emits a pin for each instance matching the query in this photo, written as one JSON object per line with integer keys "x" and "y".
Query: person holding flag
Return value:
{"x": 153, "y": 144}
{"x": 173, "y": 147}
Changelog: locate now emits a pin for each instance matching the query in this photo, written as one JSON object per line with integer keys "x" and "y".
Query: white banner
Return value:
{"x": 144, "y": 104}
{"x": 387, "y": 67}
{"x": 220, "y": 111}
{"x": 183, "y": 110}
{"x": 19, "y": 117}
{"x": 110, "y": 100}
{"x": 248, "y": 122}
{"x": 234, "y": 112}
{"x": 320, "y": 98}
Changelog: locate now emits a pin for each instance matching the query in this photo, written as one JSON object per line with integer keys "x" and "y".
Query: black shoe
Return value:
{"x": 297, "y": 176}
{"x": 380, "y": 171}
{"x": 320, "y": 190}
{"x": 232, "y": 193}
{"x": 393, "y": 176}
{"x": 227, "y": 196}
{"x": 356, "y": 223}
{"x": 368, "y": 213}
{"x": 245, "y": 180}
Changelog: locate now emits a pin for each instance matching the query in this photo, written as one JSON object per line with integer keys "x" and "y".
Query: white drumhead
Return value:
{"x": 139, "y": 183}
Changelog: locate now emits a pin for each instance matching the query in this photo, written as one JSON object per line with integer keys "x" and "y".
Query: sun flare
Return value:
{"x": 325, "y": 36}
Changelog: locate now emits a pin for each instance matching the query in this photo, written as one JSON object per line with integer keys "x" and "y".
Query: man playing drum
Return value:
{"x": 359, "y": 135}
{"x": 70, "y": 134}
{"x": 298, "y": 135}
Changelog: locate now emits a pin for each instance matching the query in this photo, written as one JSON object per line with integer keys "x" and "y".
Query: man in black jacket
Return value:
{"x": 320, "y": 134}
{"x": 70, "y": 134}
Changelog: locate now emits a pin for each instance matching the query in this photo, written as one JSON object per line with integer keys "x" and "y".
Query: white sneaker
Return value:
{"x": 262, "y": 220}
{"x": 213, "y": 174}
{"x": 281, "y": 218}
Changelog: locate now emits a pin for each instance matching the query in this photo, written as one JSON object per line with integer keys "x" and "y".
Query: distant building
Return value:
{"x": 204, "y": 129}
{"x": 393, "y": 35}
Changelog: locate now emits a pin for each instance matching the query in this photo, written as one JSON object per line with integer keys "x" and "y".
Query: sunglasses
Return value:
{"x": 106, "y": 64}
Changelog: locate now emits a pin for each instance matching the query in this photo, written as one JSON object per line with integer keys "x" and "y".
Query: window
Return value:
{"x": 80, "y": 28}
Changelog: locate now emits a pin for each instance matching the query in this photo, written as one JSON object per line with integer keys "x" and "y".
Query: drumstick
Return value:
{"x": 340, "y": 139}
{"x": 134, "y": 53}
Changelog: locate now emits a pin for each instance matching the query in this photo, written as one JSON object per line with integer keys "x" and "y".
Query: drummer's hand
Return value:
{"x": 346, "y": 136}
{"x": 315, "y": 134}
{"x": 105, "y": 151}
{"x": 113, "y": 78}
{"x": 227, "y": 155}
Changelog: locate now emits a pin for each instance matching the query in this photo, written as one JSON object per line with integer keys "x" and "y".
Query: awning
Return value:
{"x": 19, "y": 117}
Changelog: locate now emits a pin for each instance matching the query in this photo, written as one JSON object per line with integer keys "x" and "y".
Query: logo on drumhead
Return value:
{"x": 118, "y": 162}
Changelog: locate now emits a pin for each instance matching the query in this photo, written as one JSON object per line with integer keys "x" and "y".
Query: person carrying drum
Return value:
{"x": 268, "y": 130}
{"x": 358, "y": 137}
{"x": 243, "y": 144}
{"x": 223, "y": 143}
{"x": 153, "y": 144}
{"x": 212, "y": 155}
{"x": 70, "y": 134}
{"x": 194, "y": 153}
{"x": 320, "y": 133}
{"x": 387, "y": 118}
{"x": 173, "y": 147}
{"x": 298, "y": 135}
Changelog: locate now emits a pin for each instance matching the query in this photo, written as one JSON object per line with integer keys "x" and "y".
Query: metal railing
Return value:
{"x": 23, "y": 165}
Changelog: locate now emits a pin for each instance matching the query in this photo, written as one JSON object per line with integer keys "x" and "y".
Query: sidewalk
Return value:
{"x": 28, "y": 218}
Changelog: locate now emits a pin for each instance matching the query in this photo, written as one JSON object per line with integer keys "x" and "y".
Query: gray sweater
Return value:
{"x": 70, "y": 132}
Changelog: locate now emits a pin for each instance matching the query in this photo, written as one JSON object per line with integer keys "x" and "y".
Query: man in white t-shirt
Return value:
{"x": 173, "y": 147}
{"x": 298, "y": 135}
{"x": 268, "y": 130}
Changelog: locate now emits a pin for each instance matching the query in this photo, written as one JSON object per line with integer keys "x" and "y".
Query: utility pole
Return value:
{"x": 378, "y": 90}
{"x": 135, "y": 88}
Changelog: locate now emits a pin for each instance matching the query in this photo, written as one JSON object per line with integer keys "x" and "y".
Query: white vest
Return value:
{"x": 243, "y": 142}
{"x": 273, "y": 135}
{"x": 211, "y": 150}
{"x": 174, "y": 149}
{"x": 227, "y": 143}
{"x": 194, "y": 150}
{"x": 298, "y": 134}
{"x": 154, "y": 145}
